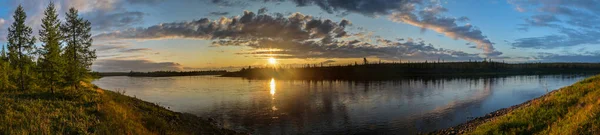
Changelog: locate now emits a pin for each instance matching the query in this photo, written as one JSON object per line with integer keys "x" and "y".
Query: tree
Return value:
{"x": 50, "y": 62}
{"x": 4, "y": 71}
{"x": 20, "y": 46}
{"x": 78, "y": 55}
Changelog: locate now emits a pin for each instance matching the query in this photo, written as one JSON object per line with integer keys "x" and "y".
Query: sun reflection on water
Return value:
{"x": 272, "y": 89}
{"x": 272, "y": 84}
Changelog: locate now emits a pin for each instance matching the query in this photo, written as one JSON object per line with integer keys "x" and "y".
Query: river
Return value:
{"x": 407, "y": 106}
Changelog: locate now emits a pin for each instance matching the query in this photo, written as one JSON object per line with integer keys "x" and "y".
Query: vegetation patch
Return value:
{"x": 92, "y": 111}
{"x": 570, "y": 110}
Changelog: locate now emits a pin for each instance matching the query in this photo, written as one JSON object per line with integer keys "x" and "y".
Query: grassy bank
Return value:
{"x": 573, "y": 109}
{"x": 92, "y": 111}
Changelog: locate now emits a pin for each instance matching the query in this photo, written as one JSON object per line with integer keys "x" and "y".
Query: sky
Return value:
{"x": 150, "y": 35}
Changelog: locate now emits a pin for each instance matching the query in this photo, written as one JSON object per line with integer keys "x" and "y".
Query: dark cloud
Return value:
{"x": 578, "y": 24}
{"x": 463, "y": 19}
{"x": 406, "y": 11}
{"x": 296, "y": 27}
{"x": 229, "y": 3}
{"x": 262, "y": 10}
{"x": 135, "y": 50}
{"x": 541, "y": 20}
{"x": 567, "y": 38}
{"x": 386, "y": 49}
{"x": 116, "y": 65}
{"x": 218, "y": 13}
{"x": 365, "y": 7}
{"x": 552, "y": 57}
{"x": 295, "y": 36}
{"x": 111, "y": 21}
{"x": 144, "y": 1}
{"x": 430, "y": 19}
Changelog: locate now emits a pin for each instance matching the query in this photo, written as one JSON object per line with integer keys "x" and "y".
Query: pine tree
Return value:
{"x": 4, "y": 71}
{"x": 78, "y": 55}
{"x": 20, "y": 46}
{"x": 50, "y": 62}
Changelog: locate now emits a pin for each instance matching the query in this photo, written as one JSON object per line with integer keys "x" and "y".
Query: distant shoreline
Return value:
{"x": 162, "y": 73}
{"x": 390, "y": 71}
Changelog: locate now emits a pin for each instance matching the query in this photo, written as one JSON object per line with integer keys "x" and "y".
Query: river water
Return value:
{"x": 407, "y": 106}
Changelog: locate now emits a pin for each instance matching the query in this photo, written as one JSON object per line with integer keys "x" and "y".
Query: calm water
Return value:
{"x": 337, "y": 107}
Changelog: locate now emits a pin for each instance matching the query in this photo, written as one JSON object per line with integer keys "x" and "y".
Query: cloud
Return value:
{"x": 407, "y": 11}
{"x": 145, "y": 1}
{"x": 389, "y": 50}
{"x": 262, "y": 10}
{"x": 576, "y": 22}
{"x": 430, "y": 19}
{"x": 102, "y": 48}
{"x": 110, "y": 46}
{"x": 567, "y": 38}
{"x": 328, "y": 62}
{"x": 552, "y": 57}
{"x": 365, "y": 7}
{"x": 294, "y": 36}
{"x": 118, "y": 20}
{"x": 135, "y": 50}
{"x": 230, "y": 3}
{"x": 218, "y": 13}
{"x": 297, "y": 27}
{"x": 117, "y": 65}
{"x": 541, "y": 20}
{"x": 104, "y": 14}
{"x": 3, "y": 29}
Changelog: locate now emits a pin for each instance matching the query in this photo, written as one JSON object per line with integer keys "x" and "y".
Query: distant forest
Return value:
{"x": 163, "y": 73}
{"x": 375, "y": 71}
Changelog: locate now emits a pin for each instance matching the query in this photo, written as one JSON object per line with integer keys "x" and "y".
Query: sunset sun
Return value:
{"x": 272, "y": 61}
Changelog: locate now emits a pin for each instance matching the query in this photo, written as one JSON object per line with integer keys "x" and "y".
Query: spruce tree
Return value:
{"x": 50, "y": 62}
{"x": 20, "y": 47}
{"x": 78, "y": 55}
{"x": 4, "y": 71}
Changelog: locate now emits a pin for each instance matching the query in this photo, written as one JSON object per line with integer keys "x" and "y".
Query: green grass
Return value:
{"x": 92, "y": 111}
{"x": 573, "y": 109}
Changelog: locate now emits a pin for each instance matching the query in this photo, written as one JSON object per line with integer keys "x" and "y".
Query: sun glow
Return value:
{"x": 272, "y": 61}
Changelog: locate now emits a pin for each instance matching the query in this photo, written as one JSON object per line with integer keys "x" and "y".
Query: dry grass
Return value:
{"x": 571, "y": 110}
{"x": 92, "y": 111}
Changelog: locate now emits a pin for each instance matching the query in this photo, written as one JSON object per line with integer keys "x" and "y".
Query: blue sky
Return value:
{"x": 145, "y": 35}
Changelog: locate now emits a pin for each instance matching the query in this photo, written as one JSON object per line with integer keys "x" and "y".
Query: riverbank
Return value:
{"x": 92, "y": 110}
{"x": 570, "y": 110}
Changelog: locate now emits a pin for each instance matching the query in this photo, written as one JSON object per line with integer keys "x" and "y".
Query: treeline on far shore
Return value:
{"x": 163, "y": 73}
{"x": 368, "y": 71}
